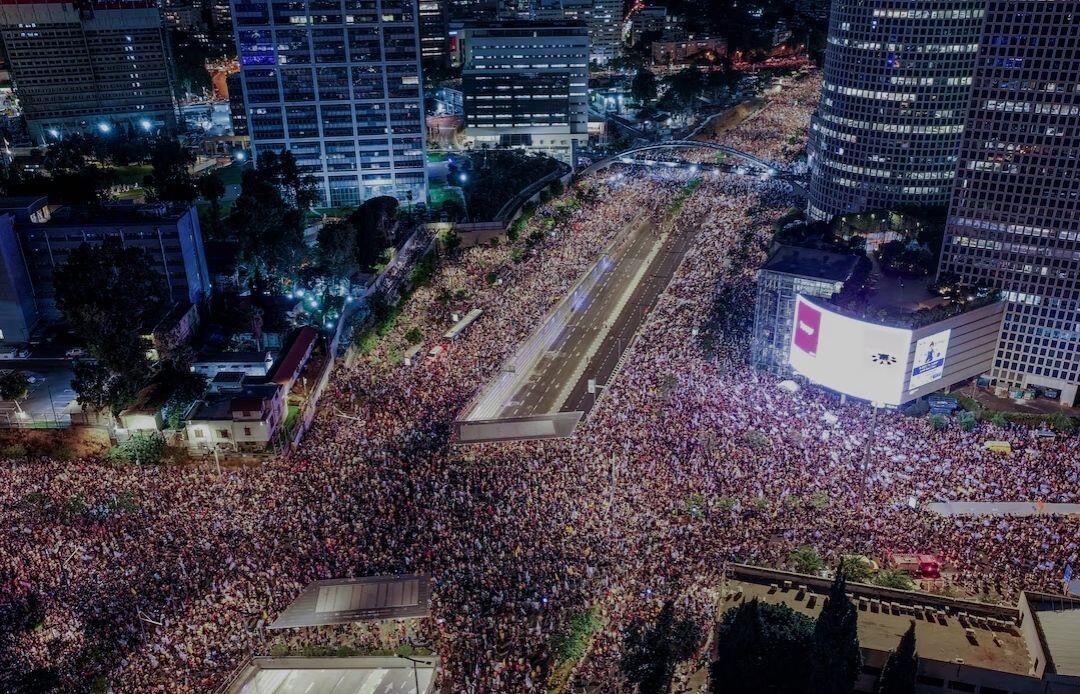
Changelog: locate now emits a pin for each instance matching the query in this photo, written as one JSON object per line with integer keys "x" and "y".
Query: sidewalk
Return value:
{"x": 1003, "y": 508}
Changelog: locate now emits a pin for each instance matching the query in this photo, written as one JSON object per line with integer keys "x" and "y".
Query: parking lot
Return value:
{"x": 49, "y": 397}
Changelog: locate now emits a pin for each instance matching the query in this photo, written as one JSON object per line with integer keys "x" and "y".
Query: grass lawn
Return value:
{"x": 132, "y": 173}
{"x": 291, "y": 416}
{"x": 133, "y": 194}
{"x": 231, "y": 174}
{"x": 437, "y": 156}
{"x": 437, "y": 195}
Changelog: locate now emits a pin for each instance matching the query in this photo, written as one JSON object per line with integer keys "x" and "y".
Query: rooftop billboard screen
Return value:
{"x": 863, "y": 360}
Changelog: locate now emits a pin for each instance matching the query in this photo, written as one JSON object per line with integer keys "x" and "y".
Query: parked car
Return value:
{"x": 14, "y": 353}
{"x": 75, "y": 353}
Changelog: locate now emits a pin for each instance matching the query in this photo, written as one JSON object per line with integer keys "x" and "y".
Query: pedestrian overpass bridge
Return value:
{"x": 755, "y": 163}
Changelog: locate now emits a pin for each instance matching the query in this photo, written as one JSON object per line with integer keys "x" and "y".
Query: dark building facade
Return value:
{"x": 525, "y": 85}
{"x": 42, "y": 238}
{"x": 237, "y": 113}
{"x": 434, "y": 32}
{"x": 1014, "y": 220}
{"x": 89, "y": 66}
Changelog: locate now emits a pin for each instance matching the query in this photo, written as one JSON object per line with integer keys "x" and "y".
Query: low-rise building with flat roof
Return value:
{"x": 963, "y": 645}
{"x": 244, "y": 420}
{"x": 789, "y": 271}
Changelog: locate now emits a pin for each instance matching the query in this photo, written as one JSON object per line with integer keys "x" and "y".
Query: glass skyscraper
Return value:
{"x": 1014, "y": 220}
{"x": 337, "y": 82}
{"x": 893, "y": 103}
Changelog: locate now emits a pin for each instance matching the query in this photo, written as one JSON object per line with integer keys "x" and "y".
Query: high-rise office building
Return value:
{"x": 1014, "y": 220}
{"x": 434, "y": 33}
{"x": 605, "y": 30}
{"x": 91, "y": 65}
{"x": 237, "y": 111}
{"x": 893, "y": 104}
{"x": 473, "y": 10}
{"x": 338, "y": 84}
{"x": 526, "y": 85}
{"x": 602, "y": 17}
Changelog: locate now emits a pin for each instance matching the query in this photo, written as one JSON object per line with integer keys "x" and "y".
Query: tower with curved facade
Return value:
{"x": 893, "y": 104}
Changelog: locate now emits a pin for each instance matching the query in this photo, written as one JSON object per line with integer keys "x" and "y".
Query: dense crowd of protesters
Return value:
{"x": 164, "y": 579}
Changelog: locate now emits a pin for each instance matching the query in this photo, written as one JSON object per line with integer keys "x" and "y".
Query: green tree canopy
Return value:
{"x": 652, "y": 652}
{"x": 643, "y": 86}
{"x": 266, "y": 223}
{"x": 806, "y": 560}
{"x": 14, "y": 385}
{"x": 761, "y": 649}
{"x": 374, "y": 225}
{"x": 171, "y": 180}
{"x": 107, "y": 292}
{"x": 337, "y": 248}
{"x": 836, "y": 656}
{"x": 111, "y": 297}
{"x": 212, "y": 189}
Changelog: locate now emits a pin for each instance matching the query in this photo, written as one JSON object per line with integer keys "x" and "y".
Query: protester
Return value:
{"x": 162, "y": 579}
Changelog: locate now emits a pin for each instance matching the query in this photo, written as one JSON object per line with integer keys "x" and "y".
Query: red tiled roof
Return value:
{"x": 286, "y": 368}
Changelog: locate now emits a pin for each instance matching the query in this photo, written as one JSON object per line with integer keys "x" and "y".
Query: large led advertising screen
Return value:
{"x": 861, "y": 359}
{"x": 929, "y": 362}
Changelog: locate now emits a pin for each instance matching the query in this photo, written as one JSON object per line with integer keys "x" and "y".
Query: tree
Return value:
{"x": 894, "y": 578}
{"x": 901, "y": 668}
{"x": 212, "y": 189}
{"x": 651, "y": 653}
{"x": 14, "y": 385}
{"x": 171, "y": 179}
{"x": 761, "y": 648}
{"x": 806, "y": 560}
{"x": 337, "y": 248}
{"x": 297, "y": 189}
{"x": 107, "y": 293}
{"x": 374, "y": 224}
{"x": 110, "y": 296}
{"x": 453, "y": 209}
{"x": 855, "y": 567}
{"x": 142, "y": 449}
{"x": 185, "y": 387}
{"x": 268, "y": 229}
{"x": 90, "y": 382}
{"x": 1062, "y": 423}
{"x": 643, "y": 86}
{"x": 836, "y": 656}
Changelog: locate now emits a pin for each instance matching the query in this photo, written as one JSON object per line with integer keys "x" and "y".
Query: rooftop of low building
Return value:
{"x": 220, "y": 406}
{"x": 946, "y": 629}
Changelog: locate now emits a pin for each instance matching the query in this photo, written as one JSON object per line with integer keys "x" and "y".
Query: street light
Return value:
{"x": 416, "y": 675}
{"x": 146, "y": 124}
{"x": 105, "y": 128}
